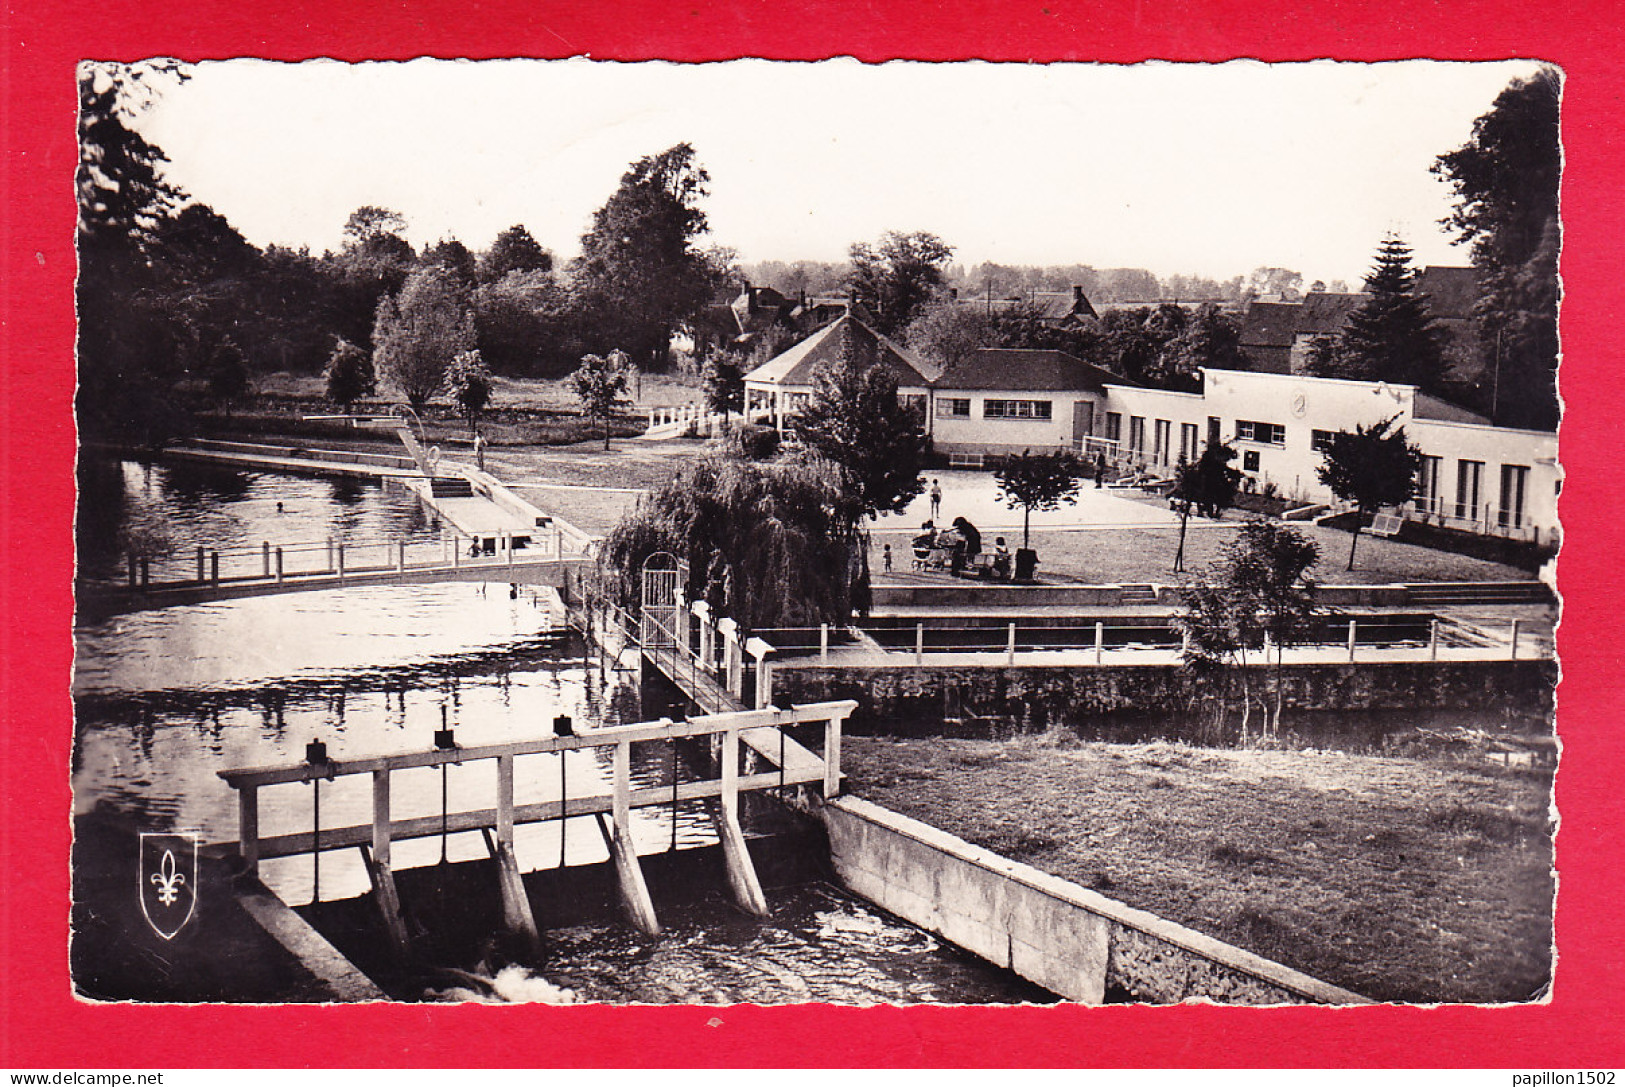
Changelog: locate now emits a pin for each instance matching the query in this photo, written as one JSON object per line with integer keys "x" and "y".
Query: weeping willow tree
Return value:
{"x": 771, "y": 545}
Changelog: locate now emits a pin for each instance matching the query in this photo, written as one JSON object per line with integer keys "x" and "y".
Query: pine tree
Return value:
{"x": 1391, "y": 336}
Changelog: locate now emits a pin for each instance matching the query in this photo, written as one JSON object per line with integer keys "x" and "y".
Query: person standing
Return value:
{"x": 936, "y": 499}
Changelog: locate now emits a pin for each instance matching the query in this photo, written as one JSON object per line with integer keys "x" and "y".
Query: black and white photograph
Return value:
{"x": 754, "y": 532}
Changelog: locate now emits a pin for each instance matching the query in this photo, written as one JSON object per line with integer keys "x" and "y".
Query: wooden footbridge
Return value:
{"x": 232, "y": 573}
{"x": 530, "y": 762}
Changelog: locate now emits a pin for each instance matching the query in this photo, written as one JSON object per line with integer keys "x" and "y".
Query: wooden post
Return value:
{"x": 378, "y": 866}
{"x": 919, "y": 644}
{"x": 456, "y": 549}
{"x": 832, "y": 758}
{"x": 265, "y": 558}
{"x": 558, "y": 543}
{"x": 823, "y": 643}
{"x": 330, "y": 567}
{"x": 146, "y": 572}
{"x": 1010, "y": 648}
{"x": 1517, "y": 625}
{"x": 1352, "y": 624}
{"x": 200, "y": 563}
{"x": 400, "y": 556}
{"x": 747, "y": 889}
{"x": 516, "y": 912}
{"x": 1433, "y": 639}
{"x": 759, "y": 650}
{"x": 214, "y": 568}
{"x": 341, "y": 563}
{"x": 702, "y": 612}
{"x": 248, "y": 828}
{"x": 507, "y": 538}
{"x": 1100, "y": 641}
{"x": 634, "y": 891}
{"x": 279, "y": 566}
{"x": 132, "y": 569}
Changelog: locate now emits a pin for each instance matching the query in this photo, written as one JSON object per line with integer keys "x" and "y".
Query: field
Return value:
{"x": 1413, "y": 880}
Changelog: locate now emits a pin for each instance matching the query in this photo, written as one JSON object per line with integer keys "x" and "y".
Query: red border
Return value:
{"x": 40, "y": 1024}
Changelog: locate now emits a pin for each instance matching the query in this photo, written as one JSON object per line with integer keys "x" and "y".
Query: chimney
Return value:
{"x": 750, "y": 298}
{"x": 1077, "y": 295}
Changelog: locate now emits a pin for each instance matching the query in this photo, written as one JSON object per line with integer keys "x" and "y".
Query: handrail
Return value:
{"x": 664, "y": 728}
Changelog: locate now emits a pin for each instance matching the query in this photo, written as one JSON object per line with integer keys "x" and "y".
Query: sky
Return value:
{"x": 1199, "y": 169}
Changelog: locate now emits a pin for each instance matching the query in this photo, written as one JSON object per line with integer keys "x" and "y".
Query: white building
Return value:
{"x": 1475, "y": 476}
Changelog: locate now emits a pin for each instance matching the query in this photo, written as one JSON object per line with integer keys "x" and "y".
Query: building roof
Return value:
{"x": 1451, "y": 291}
{"x": 1017, "y": 369}
{"x": 799, "y": 364}
{"x": 1269, "y": 324}
{"x": 1428, "y": 406}
{"x": 758, "y": 308}
{"x": 1322, "y": 313}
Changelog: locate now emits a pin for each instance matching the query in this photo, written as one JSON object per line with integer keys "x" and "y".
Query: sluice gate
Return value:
{"x": 762, "y": 731}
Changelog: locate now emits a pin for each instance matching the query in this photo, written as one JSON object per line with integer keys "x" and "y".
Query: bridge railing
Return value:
{"x": 505, "y": 813}
{"x": 268, "y": 560}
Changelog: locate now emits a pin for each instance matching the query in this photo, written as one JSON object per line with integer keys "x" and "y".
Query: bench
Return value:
{"x": 965, "y": 460}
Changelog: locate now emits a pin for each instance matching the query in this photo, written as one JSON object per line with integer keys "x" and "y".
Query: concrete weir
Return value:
{"x": 1072, "y": 941}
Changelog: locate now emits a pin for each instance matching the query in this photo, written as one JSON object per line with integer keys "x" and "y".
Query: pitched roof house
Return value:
{"x": 780, "y": 386}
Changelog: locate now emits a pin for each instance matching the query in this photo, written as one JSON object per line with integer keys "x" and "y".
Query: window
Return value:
{"x": 953, "y": 407}
{"x": 1213, "y": 435}
{"x": 1249, "y": 460}
{"x": 1264, "y": 433}
{"x": 1136, "y": 434}
{"x": 1187, "y": 441}
{"x": 1015, "y": 409}
{"x": 1514, "y": 482}
{"x": 1321, "y": 440}
{"x": 1469, "y": 480}
{"x": 1162, "y": 437}
{"x": 1428, "y": 498}
{"x": 1114, "y": 426}
{"x": 914, "y": 404}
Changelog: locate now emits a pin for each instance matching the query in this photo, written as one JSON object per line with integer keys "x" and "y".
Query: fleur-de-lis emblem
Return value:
{"x": 168, "y": 880}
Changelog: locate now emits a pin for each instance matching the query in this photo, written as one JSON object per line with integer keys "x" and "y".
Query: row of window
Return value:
{"x": 959, "y": 408}
{"x": 1469, "y": 504}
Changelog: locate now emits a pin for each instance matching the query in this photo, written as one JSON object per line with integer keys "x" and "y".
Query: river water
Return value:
{"x": 166, "y": 699}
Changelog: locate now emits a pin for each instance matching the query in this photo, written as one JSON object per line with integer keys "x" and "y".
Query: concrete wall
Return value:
{"x": 1041, "y": 695}
{"x": 1072, "y": 941}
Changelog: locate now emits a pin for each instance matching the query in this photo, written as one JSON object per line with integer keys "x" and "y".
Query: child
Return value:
{"x": 885, "y": 557}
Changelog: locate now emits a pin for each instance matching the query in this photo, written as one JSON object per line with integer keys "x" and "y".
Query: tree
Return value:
{"x": 1282, "y": 283}
{"x": 1037, "y": 481}
{"x": 1211, "y": 339}
{"x": 1391, "y": 336}
{"x": 639, "y": 272}
{"x": 228, "y": 379}
{"x": 1372, "y": 467}
{"x": 513, "y": 251}
{"x": 369, "y": 223}
{"x": 453, "y": 256}
{"x": 1207, "y": 485}
{"x": 1259, "y": 589}
{"x": 1506, "y": 181}
{"x": 129, "y": 342}
{"x": 853, "y": 420}
{"x": 350, "y": 375}
{"x": 469, "y": 384}
{"x": 895, "y": 279}
{"x": 600, "y": 383}
{"x": 724, "y": 383}
{"x": 765, "y": 544}
{"x": 417, "y": 334}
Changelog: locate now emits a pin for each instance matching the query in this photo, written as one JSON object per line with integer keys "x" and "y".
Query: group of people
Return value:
{"x": 957, "y": 547}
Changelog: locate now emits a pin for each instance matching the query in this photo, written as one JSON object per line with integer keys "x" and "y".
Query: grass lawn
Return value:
{"x": 1146, "y": 554}
{"x": 1404, "y": 879}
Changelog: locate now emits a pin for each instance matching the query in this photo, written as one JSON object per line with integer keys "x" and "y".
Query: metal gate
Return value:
{"x": 657, "y": 614}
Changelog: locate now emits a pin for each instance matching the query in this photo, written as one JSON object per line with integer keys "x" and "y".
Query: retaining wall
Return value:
{"x": 1072, "y": 941}
{"x": 1040, "y": 695}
